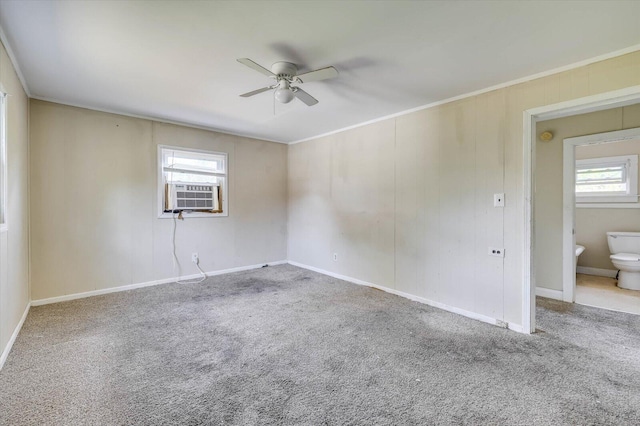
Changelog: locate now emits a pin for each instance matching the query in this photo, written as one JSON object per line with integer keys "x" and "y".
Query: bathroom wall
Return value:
{"x": 94, "y": 215}
{"x": 548, "y": 195}
{"x": 14, "y": 240}
{"x": 593, "y": 223}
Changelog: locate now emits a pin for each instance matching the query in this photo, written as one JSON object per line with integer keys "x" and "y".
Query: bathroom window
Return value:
{"x": 607, "y": 180}
{"x": 192, "y": 181}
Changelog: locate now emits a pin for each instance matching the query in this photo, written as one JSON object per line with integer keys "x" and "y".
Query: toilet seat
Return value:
{"x": 626, "y": 257}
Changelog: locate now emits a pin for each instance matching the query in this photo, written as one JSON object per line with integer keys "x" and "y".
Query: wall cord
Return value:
{"x": 175, "y": 257}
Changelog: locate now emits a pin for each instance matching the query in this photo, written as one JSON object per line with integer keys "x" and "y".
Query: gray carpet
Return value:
{"x": 283, "y": 345}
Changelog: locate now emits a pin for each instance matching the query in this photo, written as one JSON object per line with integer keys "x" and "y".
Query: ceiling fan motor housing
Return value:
{"x": 285, "y": 70}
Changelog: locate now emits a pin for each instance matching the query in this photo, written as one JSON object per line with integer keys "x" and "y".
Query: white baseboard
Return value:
{"x": 516, "y": 327}
{"x": 473, "y": 315}
{"x": 74, "y": 296}
{"x": 549, "y": 293}
{"x": 7, "y": 349}
{"x": 610, "y": 273}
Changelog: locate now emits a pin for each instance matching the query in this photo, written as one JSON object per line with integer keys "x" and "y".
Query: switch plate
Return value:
{"x": 496, "y": 251}
{"x": 498, "y": 200}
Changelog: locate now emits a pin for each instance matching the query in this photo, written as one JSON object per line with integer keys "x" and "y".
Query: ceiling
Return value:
{"x": 176, "y": 60}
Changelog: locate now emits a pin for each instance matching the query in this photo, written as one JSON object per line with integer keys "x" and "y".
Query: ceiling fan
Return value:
{"x": 285, "y": 75}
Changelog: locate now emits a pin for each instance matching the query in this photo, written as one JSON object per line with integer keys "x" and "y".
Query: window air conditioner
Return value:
{"x": 192, "y": 196}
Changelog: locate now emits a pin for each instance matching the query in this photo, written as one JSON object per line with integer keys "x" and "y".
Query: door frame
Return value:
{"x": 602, "y": 101}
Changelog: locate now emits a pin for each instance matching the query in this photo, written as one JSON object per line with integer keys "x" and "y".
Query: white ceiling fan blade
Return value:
{"x": 248, "y": 62}
{"x": 305, "y": 97}
{"x": 255, "y": 92}
{"x": 321, "y": 74}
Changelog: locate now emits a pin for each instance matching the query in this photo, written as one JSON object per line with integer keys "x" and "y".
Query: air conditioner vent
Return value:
{"x": 193, "y": 196}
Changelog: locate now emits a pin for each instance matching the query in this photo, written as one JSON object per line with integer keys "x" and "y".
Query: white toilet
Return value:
{"x": 625, "y": 256}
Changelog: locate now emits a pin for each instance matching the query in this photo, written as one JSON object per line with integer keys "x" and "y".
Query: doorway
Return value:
{"x": 619, "y": 98}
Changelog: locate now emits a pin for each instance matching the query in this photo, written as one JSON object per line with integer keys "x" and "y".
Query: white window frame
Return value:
{"x": 3, "y": 161}
{"x": 195, "y": 214}
{"x": 630, "y": 162}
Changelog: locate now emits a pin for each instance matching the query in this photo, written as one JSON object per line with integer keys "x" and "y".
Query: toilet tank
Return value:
{"x": 623, "y": 242}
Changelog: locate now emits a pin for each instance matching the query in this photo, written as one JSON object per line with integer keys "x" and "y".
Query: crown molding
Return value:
{"x": 154, "y": 119}
{"x": 531, "y": 77}
{"x": 14, "y": 61}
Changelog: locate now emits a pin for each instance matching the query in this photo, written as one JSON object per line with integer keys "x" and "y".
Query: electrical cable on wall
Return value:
{"x": 175, "y": 257}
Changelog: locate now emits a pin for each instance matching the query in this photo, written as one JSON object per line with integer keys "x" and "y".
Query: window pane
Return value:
{"x": 193, "y": 161}
{"x": 176, "y": 177}
{"x": 606, "y": 179}
{"x": 189, "y": 163}
{"x": 601, "y": 187}
{"x": 601, "y": 175}
{"x": 3, "y": 158}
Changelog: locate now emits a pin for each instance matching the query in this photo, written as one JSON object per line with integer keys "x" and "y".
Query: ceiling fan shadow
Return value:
{"x": 347, "y": 87}
{"x": 343, "y": 89}
{"x": 354, "y": 64}
{"x": 288, "y": 53}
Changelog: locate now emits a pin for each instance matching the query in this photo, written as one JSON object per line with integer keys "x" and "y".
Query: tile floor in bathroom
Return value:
{"x": 602, "y": 292}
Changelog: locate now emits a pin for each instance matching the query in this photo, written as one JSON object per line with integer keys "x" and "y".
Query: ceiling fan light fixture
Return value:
{"x": 284, "y": 94}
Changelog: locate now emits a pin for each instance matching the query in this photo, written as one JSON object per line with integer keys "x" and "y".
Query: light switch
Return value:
{"x": 498, "y": 200}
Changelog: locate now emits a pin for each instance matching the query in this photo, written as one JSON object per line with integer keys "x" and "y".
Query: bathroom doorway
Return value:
{"x": 600, "y": 197}
{"x": 533, "y": 120}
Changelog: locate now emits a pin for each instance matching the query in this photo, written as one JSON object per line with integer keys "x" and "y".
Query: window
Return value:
{"x": 192, "y": 181}
{"x": 607, "y": 180}
{"x": 3, "y": 161}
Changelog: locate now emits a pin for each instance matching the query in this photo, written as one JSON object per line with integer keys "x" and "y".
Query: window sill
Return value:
{"x": 607, "y": 199}
{"x": 608, "y": 205}
{"x": 187, "y": 215}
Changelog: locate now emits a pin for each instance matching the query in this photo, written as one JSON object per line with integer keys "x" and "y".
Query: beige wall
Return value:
{"x": 14, "y": 243}
{"x": 407, "y": 203}
{"x": 548, "y": 195}
{"x": 593, "y": 224}
{"x": 94, "y": 207}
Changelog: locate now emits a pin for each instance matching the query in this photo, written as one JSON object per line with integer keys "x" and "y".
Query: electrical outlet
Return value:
{"x": 498, "y": 252}
{"x": 194, "y": 258}
{"x": 335, "y": 257}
